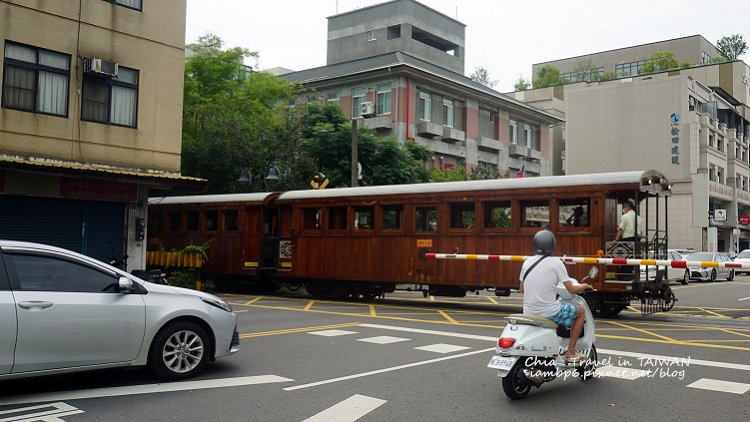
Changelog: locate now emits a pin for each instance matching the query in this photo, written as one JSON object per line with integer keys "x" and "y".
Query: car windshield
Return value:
{"x": 701, "y": 256}
{"x": 744, "y": 254}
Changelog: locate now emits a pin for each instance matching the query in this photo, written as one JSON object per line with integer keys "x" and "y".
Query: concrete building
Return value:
{"x": 90, "y": 120}
{"x": 690, "y": 123}
{"x": 400, "y": 65}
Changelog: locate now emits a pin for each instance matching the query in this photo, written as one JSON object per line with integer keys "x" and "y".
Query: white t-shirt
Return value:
{"x": 539, "y": 295}
{"x": 627, "y": 224}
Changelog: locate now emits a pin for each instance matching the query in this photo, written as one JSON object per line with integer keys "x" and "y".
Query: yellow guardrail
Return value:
{"x": 174, "y": 259}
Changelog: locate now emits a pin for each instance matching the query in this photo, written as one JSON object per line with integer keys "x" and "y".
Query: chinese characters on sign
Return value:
{"x": 675, "y": 134}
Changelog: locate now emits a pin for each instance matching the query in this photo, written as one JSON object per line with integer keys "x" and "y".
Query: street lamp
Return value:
{"x": 271, "y": 180}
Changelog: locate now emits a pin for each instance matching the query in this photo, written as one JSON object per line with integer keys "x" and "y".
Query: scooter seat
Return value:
{"x": 532, "y": 319}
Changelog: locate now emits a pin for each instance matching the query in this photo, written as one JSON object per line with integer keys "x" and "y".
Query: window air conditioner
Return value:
{"x": 367, "y": 109}
{"x": 100, "y": 67}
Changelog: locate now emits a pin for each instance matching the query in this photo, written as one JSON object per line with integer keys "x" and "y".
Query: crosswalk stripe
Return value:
{"x": 348, "y": 410}
{"x": 719, "y": 385}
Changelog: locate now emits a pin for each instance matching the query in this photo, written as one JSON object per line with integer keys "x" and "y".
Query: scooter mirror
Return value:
{"x": 593, "y": 272}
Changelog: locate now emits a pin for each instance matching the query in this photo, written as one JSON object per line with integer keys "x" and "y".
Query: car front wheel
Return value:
{"x": 686, "y": 277}
{"x": 179, "y": 351}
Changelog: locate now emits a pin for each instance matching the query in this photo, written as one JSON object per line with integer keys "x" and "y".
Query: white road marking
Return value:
{"x": 380, "y": 371}
{"x": 332, "y": 333}
{"x": 442, "y": 348}
{"x": 383, "y": 339}
{"x": 142, "y": 389}
{"x": 723, "y": 386}
{"x": 620, "y": 372}
{"x": 348, "y": 410}
{"x": 239, "y": 311}
{"x": 698, "y": 362}
{"x": 53, "y": 413}
{"x": 744, "y": 298}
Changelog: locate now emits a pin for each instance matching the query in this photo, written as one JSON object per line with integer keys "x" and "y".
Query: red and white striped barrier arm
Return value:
{"x": 585, "y": 260}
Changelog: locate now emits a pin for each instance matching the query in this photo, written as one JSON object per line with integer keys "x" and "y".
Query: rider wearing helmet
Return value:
{"x": 539, "y": 277}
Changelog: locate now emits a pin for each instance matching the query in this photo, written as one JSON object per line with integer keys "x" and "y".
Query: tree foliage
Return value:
{"x": 482, "y": 76}
{"x": 521, "y": 84}
{"x": 659, "y": 62}
{"x": 732, "y": 47}
{"x": 548, "y": 75}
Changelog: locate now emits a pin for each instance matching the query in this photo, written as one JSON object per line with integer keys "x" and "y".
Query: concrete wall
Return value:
{"x": 151, "y": 41}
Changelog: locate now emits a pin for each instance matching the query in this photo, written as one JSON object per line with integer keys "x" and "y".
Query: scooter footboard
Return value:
{"x": 503, "y": 364}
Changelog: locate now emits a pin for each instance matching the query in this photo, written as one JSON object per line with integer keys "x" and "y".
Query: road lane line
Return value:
{"x": 297, "y": 330}
{"x": 250, "y": 302}
{"x": 372, "y": 310}
{"x": 143, "y": 389}
{"x": 391, "y": 369}
{"x": 642, "y": 331}
{"x": 719, "y": 385}
{"x": 699, "y": 362}
{"x": 744, "y": 298}
{"x": 492, "y": 299}
{"x": 446, "y": 316}
{"x": 44, "y": 412}
{"x": 309, "y": 305}
{"x": 348, "y": 410}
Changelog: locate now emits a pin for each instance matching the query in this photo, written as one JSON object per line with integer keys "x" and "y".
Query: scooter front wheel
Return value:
{"x": 515, "y": 384}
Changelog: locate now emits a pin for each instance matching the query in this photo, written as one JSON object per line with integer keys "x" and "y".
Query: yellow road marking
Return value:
{"x": 726, "y": 330}
{"x": 446, "y": 316}
{"x": 642, "y": 331}
{"x": 309, "y": 305}
{"x": 633, "y": 309}
{"x": 712, "y": 312}
{"x": 431, "y": 298}
{"x": 372, "y": 310}
{"x": 250, "y": 302}
{"x": 719, "y": 341}
{"x": 491, "y": 299}
{"x": 297, "y": 330}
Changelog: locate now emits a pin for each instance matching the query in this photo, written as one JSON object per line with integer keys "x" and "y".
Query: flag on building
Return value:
{"x": 522, "y": 172}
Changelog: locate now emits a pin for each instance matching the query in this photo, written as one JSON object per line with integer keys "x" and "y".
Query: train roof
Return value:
{"x": 248, "y": 198}
{"x": 651, "y": 180}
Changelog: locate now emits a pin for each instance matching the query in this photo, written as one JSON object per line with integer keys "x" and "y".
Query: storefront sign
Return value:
{"x": 98, "y": 190}
{"x": 675, "y": 135}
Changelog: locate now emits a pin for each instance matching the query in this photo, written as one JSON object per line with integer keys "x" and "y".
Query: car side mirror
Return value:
{"x": 124, "y": 284}
{"x": 593, "y": 272}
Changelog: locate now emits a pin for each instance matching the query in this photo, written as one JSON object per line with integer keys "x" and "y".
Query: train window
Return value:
{"x": 230, "y": 220}
{"x": 574, "y": 213}
{"x": 192, "y": 218}
{"x": 175, "y": 221}
{"x": 337, "y": 218}
{"x": 462, "y": 215}
{"x": 154, "y": 224}
{"x": 497, "y": 215}
{"x": 535, "y": 213}
{"x": 363, "y": 218}
{"x": 311, "y": 218}
{"x": 392, "y": 217}
{"x": 425, "y": 219}
{"x": 211, "y": 220}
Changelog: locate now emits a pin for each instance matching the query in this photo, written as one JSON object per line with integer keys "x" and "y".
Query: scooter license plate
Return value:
{"x": 501, "y": 362}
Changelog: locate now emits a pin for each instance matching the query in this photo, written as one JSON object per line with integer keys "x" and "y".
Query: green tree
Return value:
{"x": 659, "y": 62}
{"x": 585, "y": 71}
{"x": 234, "y": 119}
{"x": 482, "y": 76}
{"x": 717, "y": 60}
{"x": 547, "y": 76}
{"x": 521, "y": 84}
{"x": 732, "y": 47}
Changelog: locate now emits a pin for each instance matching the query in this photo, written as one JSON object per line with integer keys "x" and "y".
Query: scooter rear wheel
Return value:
{"x": 586, "y": 371}
{"x": 514, "y": 384}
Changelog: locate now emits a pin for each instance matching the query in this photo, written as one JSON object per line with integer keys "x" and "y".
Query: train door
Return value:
{"x": 269, "y": 239}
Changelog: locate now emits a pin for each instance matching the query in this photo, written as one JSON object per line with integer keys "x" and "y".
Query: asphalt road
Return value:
{"x": 417, "y": 359}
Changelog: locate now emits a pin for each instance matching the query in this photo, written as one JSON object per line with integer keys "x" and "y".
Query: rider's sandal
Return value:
{"x": 578, "y": 357}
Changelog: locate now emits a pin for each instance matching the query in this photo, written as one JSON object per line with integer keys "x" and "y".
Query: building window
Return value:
{"x": 337, "y": 218}
{"x": 391, "y": 217}
{"x": 358, "y": 97}
{"x": 311, "y": 218}
{"x": 463, "y": 215}
{"x": 36, "y": 80}
{"x": 535, "y": 214}
{"x": 394, "y": 32}
{"x": 211, "y": 221}
{"x": 497, "y": 215}
{"x": 625, "y": 70}
{"x": 424, "y": 106}
{"x": 111, "y": 101}
{"x": 705, "y": 58}
{"x": 448, "y": 113}
{"x": 527, "y": 135}
{"x": 513, "y": 132}
{"x": 425, "y": 219}
{"x": 371, "y": 36}
{"x": 333, "y": 98}
{"x": 384, "y": 99}
{"x": 573, "y": 213}
{"x": 132, "y": 4}
{"x": 363, "y": 218}
{"x": 230, "y": 220}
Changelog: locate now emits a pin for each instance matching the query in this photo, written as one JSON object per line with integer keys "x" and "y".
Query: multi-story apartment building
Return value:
{"x": 399, "y": 67}
{"x": 90, "y": 120}
{"x": 691, "y": 123}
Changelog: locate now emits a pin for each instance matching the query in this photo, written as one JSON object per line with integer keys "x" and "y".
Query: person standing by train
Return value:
{"x": 627, "y": 228}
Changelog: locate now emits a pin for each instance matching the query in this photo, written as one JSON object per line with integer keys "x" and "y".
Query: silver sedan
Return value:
{"x": 710, "y": 274}
{"x": 65, "y": 312}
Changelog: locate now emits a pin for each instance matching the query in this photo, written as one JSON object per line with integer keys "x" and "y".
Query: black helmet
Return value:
{"x": 544, "y": 242}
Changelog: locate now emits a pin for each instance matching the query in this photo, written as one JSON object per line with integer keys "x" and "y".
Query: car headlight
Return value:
{"x": 218, "y": 303}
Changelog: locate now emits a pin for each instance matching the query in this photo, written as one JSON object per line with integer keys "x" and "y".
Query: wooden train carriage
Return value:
{"x": 239, "y": 230}
{"x": 366, "y": 240}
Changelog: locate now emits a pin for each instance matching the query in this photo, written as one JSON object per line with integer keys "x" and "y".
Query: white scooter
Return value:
{"x": 531, "y": 349}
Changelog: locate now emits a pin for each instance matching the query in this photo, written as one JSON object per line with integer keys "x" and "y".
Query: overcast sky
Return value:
{"x": 505, "y": 37}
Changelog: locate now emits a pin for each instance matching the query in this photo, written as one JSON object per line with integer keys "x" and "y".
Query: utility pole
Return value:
{"x": 355, "y": 154}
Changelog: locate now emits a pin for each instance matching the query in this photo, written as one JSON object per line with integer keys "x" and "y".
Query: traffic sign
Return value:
{"x": 744, "y": 219}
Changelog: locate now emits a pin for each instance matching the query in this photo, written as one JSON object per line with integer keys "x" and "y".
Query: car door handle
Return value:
{"x": 35, "y": 304}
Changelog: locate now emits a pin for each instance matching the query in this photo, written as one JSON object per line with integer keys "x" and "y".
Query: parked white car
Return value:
{"x": 743, "y": 258}
{"x": 710, "y": 274}
{"x": 65, "y": 312}
{"x": 677, "y": 274}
